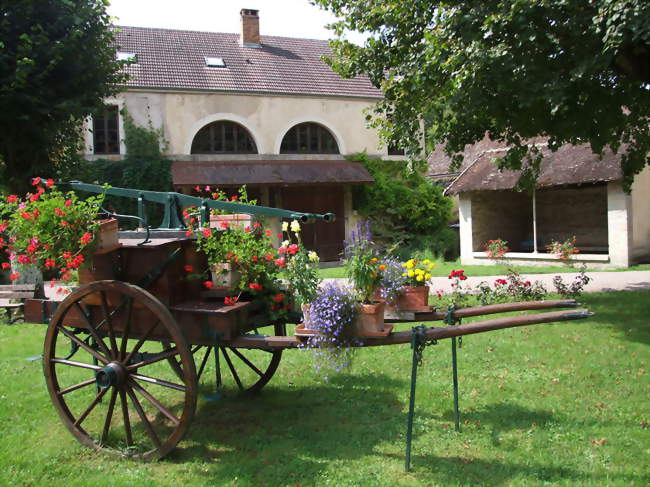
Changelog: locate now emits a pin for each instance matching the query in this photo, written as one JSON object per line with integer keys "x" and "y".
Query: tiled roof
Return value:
{"x": 570, "y": 164}
{"x": 174, "y": 59}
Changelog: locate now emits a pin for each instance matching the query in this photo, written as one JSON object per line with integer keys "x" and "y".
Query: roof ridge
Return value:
{"x": 193, "y": 31}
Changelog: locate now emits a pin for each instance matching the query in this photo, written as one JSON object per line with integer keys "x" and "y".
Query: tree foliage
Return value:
{"x": 57, "y": 64}
{"x": 575, "y": 71}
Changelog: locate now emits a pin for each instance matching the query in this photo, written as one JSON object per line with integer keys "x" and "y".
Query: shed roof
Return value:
{"x": 570, "y": 164}
{"x": 277, "y": 173}
{"x": 175, "y": 59}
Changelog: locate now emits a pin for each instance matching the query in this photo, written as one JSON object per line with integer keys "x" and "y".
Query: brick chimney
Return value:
{"x": 250, "y": 28}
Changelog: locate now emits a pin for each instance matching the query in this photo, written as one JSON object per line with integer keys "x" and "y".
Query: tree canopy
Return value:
{"x": 57, "y": 64}
{"x": 574, "y": 71}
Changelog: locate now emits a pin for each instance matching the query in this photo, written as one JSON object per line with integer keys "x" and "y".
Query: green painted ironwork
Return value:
{"x": 451, "y": 319}
{"x": 418, "y": 342}
{"x": 175, "y": 202}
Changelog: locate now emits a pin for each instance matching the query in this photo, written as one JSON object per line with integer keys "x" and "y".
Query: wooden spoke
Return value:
{"x": 204, "y": 361}
{"x": 92, "y": 329}
{"x": 125, "y": 417}
{"x": 158, "y": 382}
{"x": 154, "y": 401}
{"x": 83, "y": 345}
{"x": 232, "y": 369}
{"x": 246, "y": 361}
{"x": 127, "y": 328}
{"x": 153, "y": 360}
{"x": 141, "y": 342}
{"x": 109, "y": 324}
{"x": 128, "y": 317}
{"x": 92, "y": 405}
{"x": 77, "y": 386}
{"x": 143, "y": 417}
{"x": 75, "y": 364}
{"x": 109, "y": 416}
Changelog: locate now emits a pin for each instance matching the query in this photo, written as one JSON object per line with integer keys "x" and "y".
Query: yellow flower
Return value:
{"x": 374, "y": 260}
{"x": 285, "y": 226}
{"x": 295, "y": 226}
{"x": 419, "y": 277}
{"x": 410, "y": 273}
{"x": 427, "y": 276}
{"x": 373, "y": 275}
{"x": 404, "y": 274}
{"x": 312, "y": 256}
{"x": 410, "y": 264}
{"x": 419, "y": 271}
{"x": 426, "y": 262}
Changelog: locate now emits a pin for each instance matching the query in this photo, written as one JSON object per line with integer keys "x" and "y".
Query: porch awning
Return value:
{"x": 276, "y": 173}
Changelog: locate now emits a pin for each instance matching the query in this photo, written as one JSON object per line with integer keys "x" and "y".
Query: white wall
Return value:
{"x": 268, "y": 118}
{"x": 641, "y": 216}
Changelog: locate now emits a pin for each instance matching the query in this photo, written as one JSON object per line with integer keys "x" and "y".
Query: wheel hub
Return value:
{"x": 112, "y": 374}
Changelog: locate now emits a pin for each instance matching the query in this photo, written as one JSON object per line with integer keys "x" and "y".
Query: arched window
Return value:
{"x": 223, "y": 137}
{"x": 309, "y": 138}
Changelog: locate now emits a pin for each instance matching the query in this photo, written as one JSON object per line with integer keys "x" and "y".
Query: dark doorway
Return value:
{"x": 324, "y": 238}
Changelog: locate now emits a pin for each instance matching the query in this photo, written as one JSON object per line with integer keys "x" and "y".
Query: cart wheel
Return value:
{"x": 119, "y": 394}
{"x": 245, "y": 371}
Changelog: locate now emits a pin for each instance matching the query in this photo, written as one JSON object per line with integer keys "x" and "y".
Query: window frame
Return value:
{"x": 314, "y": 135}
{"x": 100, "y": 122}
{"x": 226, "y": 135}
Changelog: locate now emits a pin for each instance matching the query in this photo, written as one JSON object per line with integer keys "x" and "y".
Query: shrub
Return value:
{"x": 405, "y": 208}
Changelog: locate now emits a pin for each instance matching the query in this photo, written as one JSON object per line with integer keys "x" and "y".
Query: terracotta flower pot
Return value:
{"x": 413, "y": 297}
{"x": 370, "y": 319}
{"x": 223, "y": 275}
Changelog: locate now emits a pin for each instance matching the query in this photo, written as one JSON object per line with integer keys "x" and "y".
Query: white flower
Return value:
{"x": 313, "y": 256}
{"x": 285, "y": 226}
{"x": 285, "y": 243}
{"x": 295, "y": 226}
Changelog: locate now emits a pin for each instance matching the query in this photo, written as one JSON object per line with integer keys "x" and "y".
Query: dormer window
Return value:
{"x": 127, "y": 57}
{"x": 215, "y": 62}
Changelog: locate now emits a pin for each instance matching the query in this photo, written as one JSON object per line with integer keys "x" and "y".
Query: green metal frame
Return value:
{"x": 175, "y": 202}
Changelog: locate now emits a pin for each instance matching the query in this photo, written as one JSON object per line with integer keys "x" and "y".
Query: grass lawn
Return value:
{"x": 444, "y": 268}
{"x": 564, "y": 404}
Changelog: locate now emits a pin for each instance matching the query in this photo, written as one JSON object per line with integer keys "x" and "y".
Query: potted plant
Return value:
{"x": 246, "y": 251}
{"x": 415, "y": 292}
{"x": 333, "y": 312}
{"x": 54, "y": 231}
{"x": 362, "y": 263}
{"x": 301, "y": 270}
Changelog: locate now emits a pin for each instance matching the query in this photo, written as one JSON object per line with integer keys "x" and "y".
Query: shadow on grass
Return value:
{"x": 472, "y": 471}
{"x": 502, "y": 417}
{"x": 628, "y": 312}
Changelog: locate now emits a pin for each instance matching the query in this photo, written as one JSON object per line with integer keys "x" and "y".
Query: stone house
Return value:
{"x": 249, "y": 109}
{"x": 577, "y": 194}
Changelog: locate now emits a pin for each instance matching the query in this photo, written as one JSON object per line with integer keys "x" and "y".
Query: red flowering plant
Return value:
{"x": 248, "y": 249}
{"x": 49, "y": 229}
{"x": 563, "y": 250}
{"x": 459, "y": 295}
{"x": 496, "y": 249}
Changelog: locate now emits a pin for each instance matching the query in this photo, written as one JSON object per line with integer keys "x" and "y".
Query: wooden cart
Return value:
{"x": 124, "y": 353}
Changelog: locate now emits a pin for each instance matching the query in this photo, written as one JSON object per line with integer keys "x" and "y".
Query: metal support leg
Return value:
{"x": 418, "y": 342}
{"x": 216, "y": 337}
{"x": 454, "y": 371}
{"x": 409, "y": 425}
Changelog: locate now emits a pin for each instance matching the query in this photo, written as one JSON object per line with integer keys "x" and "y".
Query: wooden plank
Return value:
{"x": 16, "y": 294}
{"x": 17, "y": 287}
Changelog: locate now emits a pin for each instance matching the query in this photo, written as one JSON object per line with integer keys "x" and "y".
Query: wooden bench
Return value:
{"x": 12, "y": 298}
